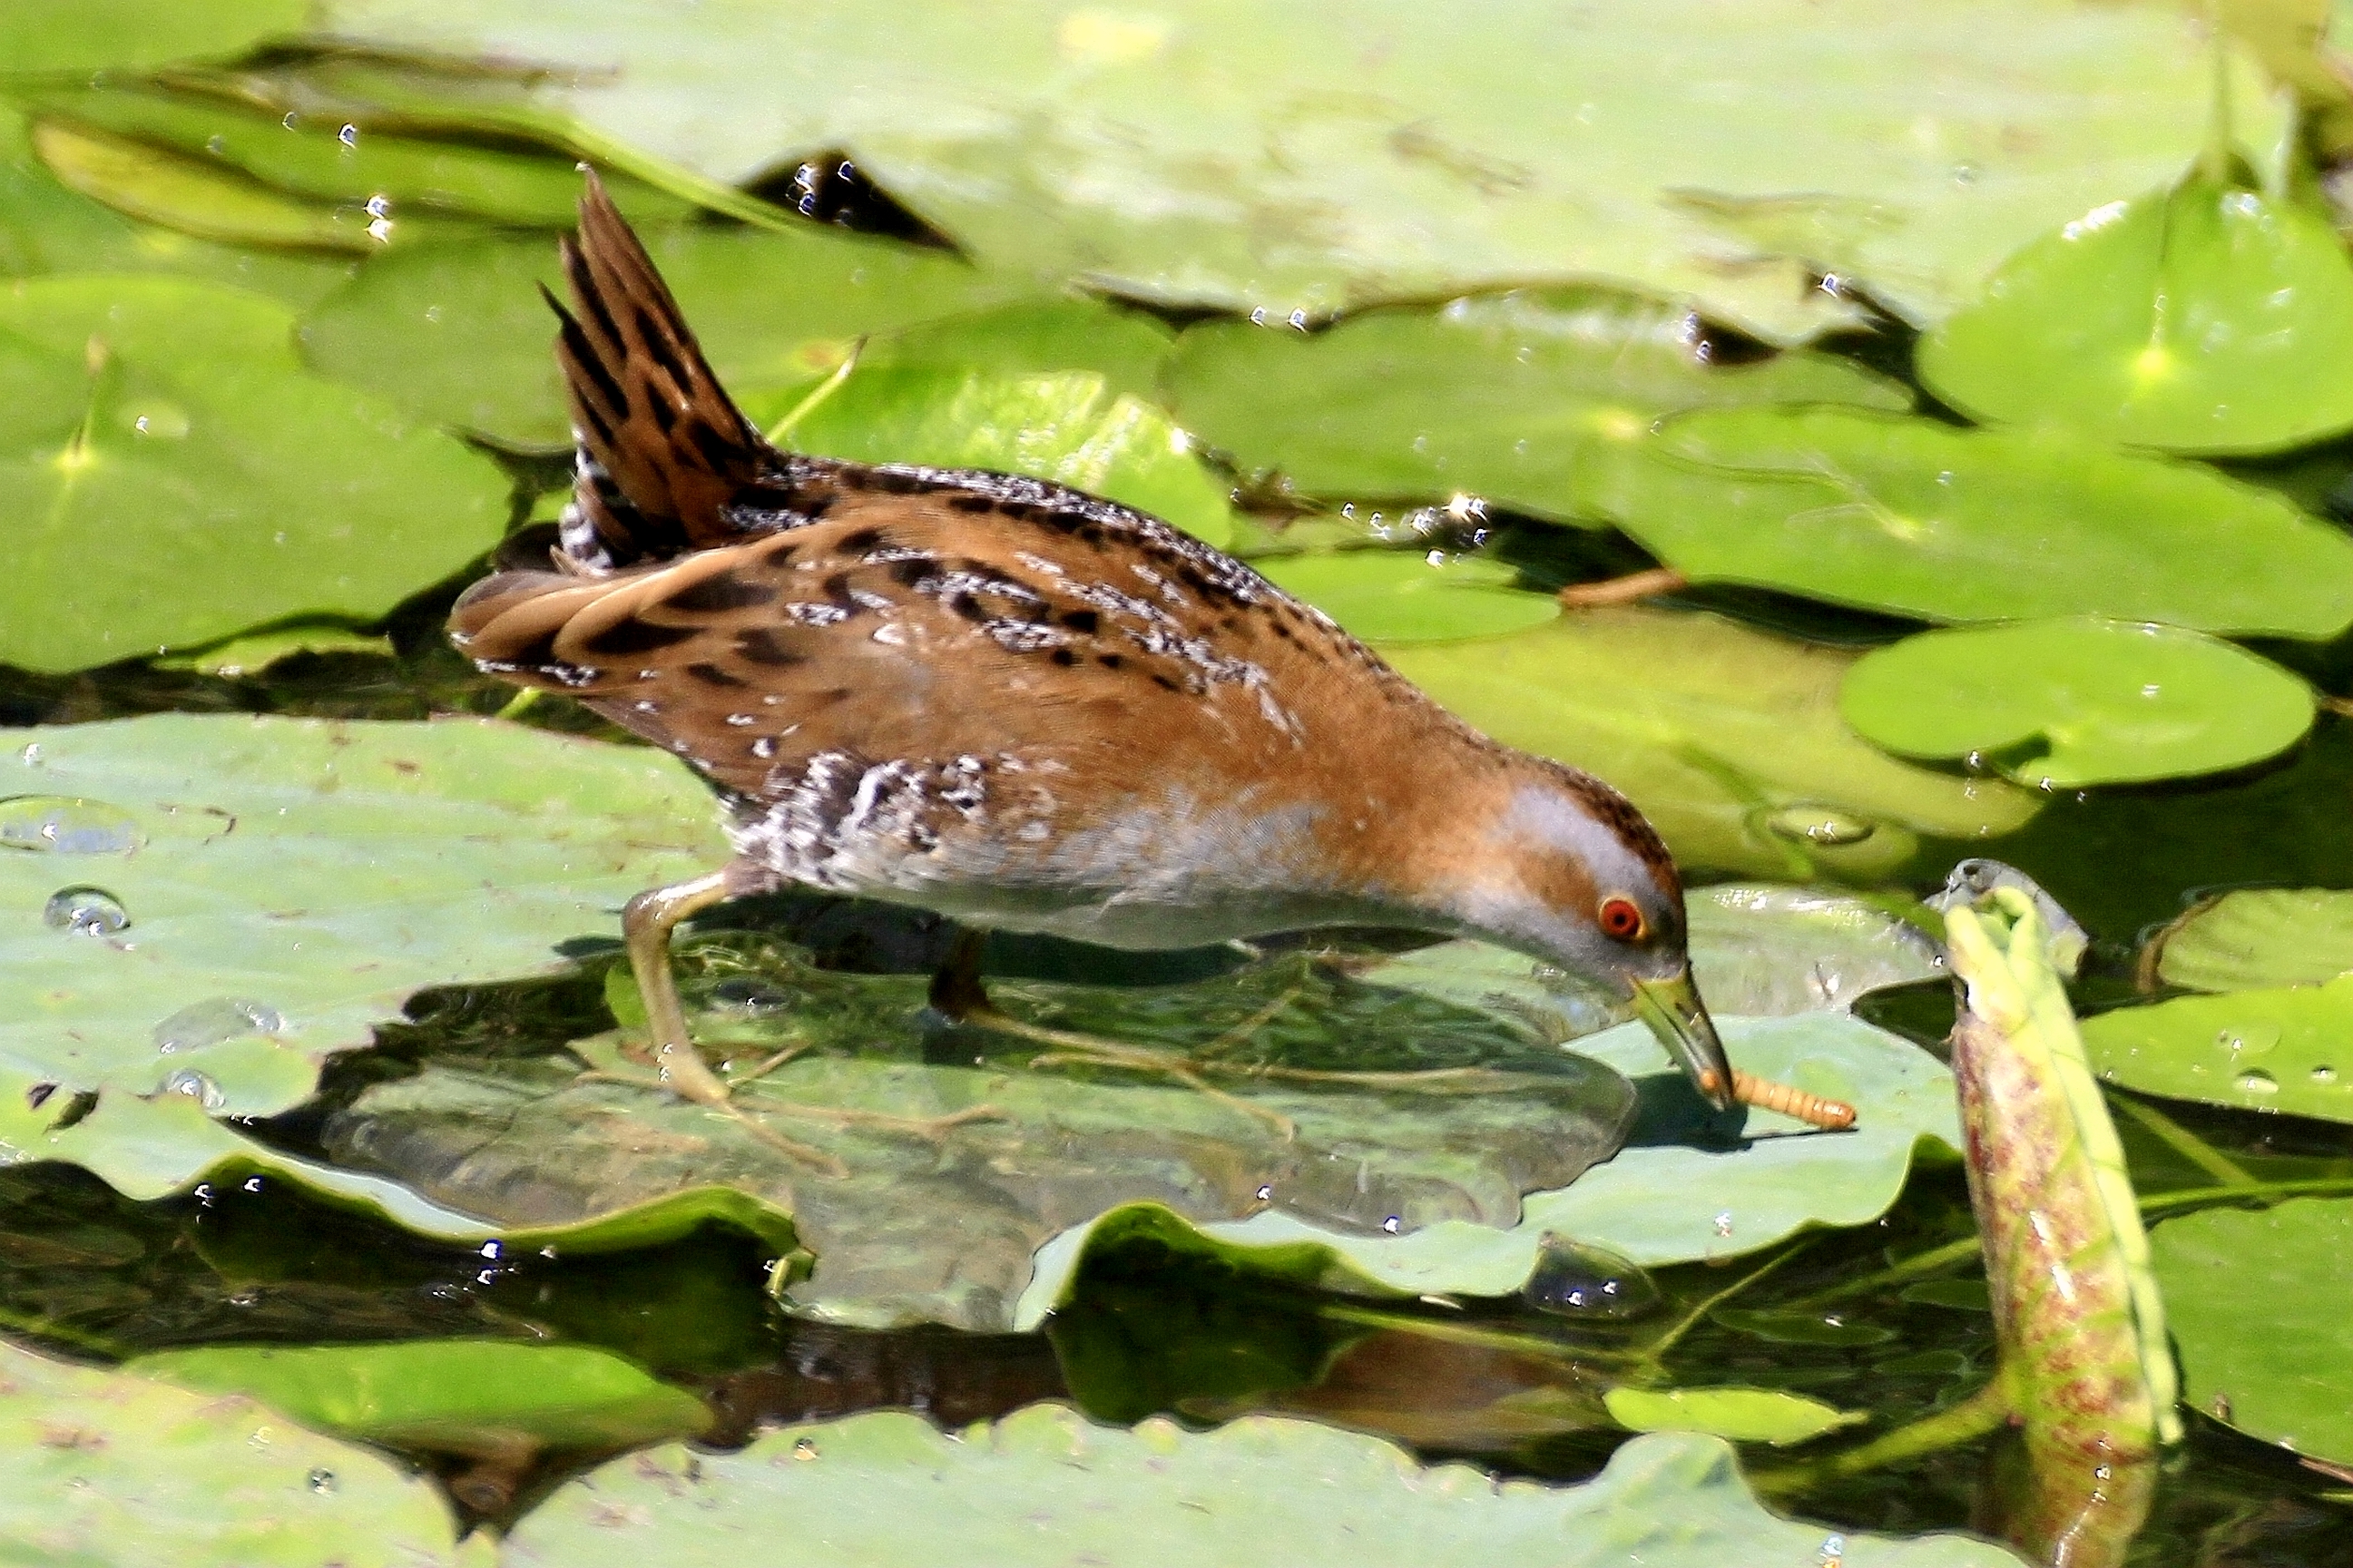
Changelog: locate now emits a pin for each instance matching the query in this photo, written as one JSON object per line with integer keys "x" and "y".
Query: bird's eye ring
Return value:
{"x": 1622, "y": 918}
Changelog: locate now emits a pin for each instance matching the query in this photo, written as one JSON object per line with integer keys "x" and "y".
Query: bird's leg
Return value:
{"x": 647, "y": 922}
{"x": 958, "y": 995}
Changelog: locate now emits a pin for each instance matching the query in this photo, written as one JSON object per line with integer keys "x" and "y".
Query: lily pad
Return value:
{"x": 2060, "y": 704}
{"x": 2287, "y": 1049}
{"x": 1738, "y": 1414}
{"x": 485, "y": 1399}
{"x": 231, "y": 488}
{"x": 99, "y": 35}
{"x": 1045, "y": 1486}
{"x": 1677, "y": 1193}
{"x": 458, "y": 334}
{"x": 1393, "y": 597}
{"x": 941, "y": 1223}
{"x": 2210, "y": 318}
{"x": 1069, "y": 428}
{"x": 2256, "y": 1298}
{"x": 1727, "y": 737}
{"x": 287, "y": 882}
{"x": 1294, "y": 159}
{"x": 2258, "y": 937}
{"x": 104, "y": 1467}
{"x": 1126, "y": 347}
{"x": 1509, "y": 396}
{"x": 142, "y": 181}
{"x": 1920, "y": 519}
{"x": 256, "y": 652}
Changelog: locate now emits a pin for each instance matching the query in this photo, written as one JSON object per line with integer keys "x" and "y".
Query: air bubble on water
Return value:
{"x": 197, "y": 1087}
{"x": 85, "y": 911}
{"x": 218, "y": 1018}
{"x": 66, "y": 825}
{"x": 2256, "y": 1082}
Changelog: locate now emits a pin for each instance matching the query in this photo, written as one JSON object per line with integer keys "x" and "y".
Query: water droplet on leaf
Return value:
{"x": 218, "y": 1018}
{"x": 66, "y": 825}
{"x": 198, "y": 1087}
{"x": 1572, "y": 1279}
{"x": 85, "y": 911}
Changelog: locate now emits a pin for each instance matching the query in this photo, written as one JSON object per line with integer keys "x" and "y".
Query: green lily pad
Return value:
{"x": 2061, "y": 704}
{"x": 2085, "y": 1363}
{"x": 256, "y": 651}
{"x": 1294, "y": 159}
{"x": 99, "y": 35}
{"x": 1921, "y": 518}
{"x": 1396, "y": 596}
{"x": 287, "y": 882}
{"x": 1727, "y": 737}
{"x": 1509, "y": 398}
{"x": 141, "y": 180}
{"x": 2287, "y": 1049}
{"x": 2256, "y": 1298}
{"x": 2210, "y": 318}
{"x": 2258, "y": 937}
{"x": 231, "y": 488}
{"x": 101, "y": 1467}
{"x": 483, "y": 1398}
{"x": 1126, "y": 347}
{"x": 1665, "y": 1197}
{"x": 1757, "y": 950}
{"x": 1045, "y": 1486}
{"x": 1069, "y": 428}
{"x": 1739, "y": 1415}
{"x": 458, "y": 334}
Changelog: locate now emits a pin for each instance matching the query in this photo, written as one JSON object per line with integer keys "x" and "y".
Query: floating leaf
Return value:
{"x": 230, "y": 488}
{"x": 1673, "y": 1194}
{"x": 2256, "y": 1298}
{"x": 889, "y": 1486}
{"x": 458, "y": 334}
{"x": 256, "y": 651}
{"x": 1508, "y": 396}
{"x": 481, "y": 1398}
{"x": 1728, "y": 738}
{"x": 2076, "y": 1311}
{"x": 288, "y": 882}
{"x": 1921, "y": 518}
{"x": 2209, "y": 318}
{"x": 99, "y": 35}
{"x": 1740, "y": 1414}
{"x": 145, "y": 182}
{"x": 1396, "y": 596}
{"x": 2287, "y": 1049}
{"x": 1126, "y": 347}
{"x": 2062, "y": 704}
{"x": 1067, "y": 427}
{"x": 2258, "y": 937}
{"x": 1292, "y": 158}
{"x": 101, "y": 1467}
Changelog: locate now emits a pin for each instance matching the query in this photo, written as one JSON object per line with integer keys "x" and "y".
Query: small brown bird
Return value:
{"x": 1026, "y": 708}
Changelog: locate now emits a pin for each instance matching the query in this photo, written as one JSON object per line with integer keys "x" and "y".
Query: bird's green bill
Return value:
{"x": 1673, "y": 1009}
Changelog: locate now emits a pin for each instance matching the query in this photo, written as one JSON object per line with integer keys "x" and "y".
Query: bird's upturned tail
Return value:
{"x": 661, "y": 448}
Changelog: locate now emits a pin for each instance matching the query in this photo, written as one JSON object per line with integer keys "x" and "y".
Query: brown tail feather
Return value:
{"x": 662, "y": 447}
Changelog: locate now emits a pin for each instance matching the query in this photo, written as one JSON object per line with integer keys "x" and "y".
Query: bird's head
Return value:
{"x": 1573, "y": 874}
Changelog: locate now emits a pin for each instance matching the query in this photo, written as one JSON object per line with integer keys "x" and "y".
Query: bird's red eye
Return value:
{"x": 1621, "y": 919}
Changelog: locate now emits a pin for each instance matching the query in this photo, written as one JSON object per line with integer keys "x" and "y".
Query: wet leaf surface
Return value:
{"x": 2287, "y": 1048}
{"x": 233, "y": 489}
{"x": 1199, "y": 154}
{"x": 287, "y": 883}
{"x": 1508, "y": 397}
{"x": 2209, "y": 318}
{"x": 2061, "y": 704}
{"x": 1392, "y": 596}
{"x": 892, "y": 1487}
{"x": 2258, "y": 937}
{"x": 1923, "y": 519}
{"x": 2291, "y": 1382}
{"x": 104, "y": 1467}
{"x": 1727, "y": 737}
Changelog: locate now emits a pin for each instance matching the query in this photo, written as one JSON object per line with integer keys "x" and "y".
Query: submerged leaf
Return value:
{"x": 2258, "y": 1298}
{"x": 1508, "y": 397}
{"x": 2060, "y": 704}
{"x": 480, "y": 1398}
{"x": 1920, "y": 519}
{"x": 2076, "y": 1311}
{"x": 1727, "y": 737}
{"x": 2258, "y": 937}
{"x": 2285, "y": 1049}
{"x": 891, "y": 1488}
{"x": 1740, "y": 1414}
{"x": 2210, "y": 318}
